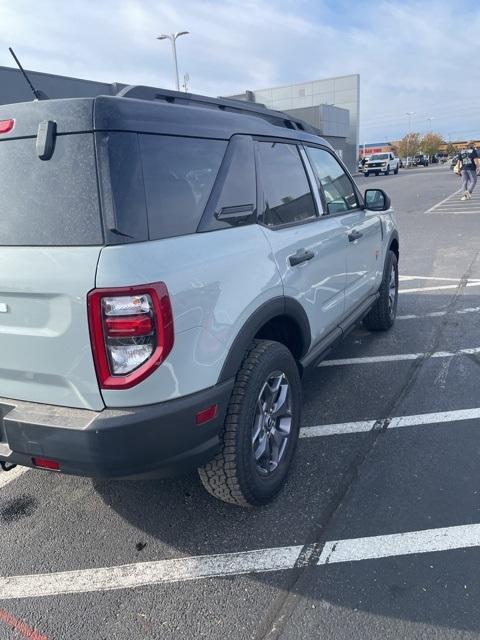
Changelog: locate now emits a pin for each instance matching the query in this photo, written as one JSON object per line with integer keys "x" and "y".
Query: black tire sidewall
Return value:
{"x": 259, "y": 489}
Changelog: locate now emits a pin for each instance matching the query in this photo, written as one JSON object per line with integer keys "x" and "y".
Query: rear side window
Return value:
{"x": 179, "y": 174}
{"x": 287, "y": 194}
{"x": 49, "y": 202}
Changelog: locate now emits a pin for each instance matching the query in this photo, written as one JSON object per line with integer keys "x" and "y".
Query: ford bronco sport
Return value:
{"x": 170, "y": 264}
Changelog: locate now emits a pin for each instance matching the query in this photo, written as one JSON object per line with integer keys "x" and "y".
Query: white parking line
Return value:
{"x": 435, "y": 206}
{"x": 8, "y": 476}
{"x": 397, "y": 357}
{"x": 228, "y": 564}
{"x": 405, "y": 278}
{"x": 439, "y": 314}
{"x": 400, "y": 544}
{"x": 470, "y": 283}
{"x": 438, "y": 417}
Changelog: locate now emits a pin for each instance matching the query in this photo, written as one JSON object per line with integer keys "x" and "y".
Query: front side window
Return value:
{"x": 338, "y": 188}
{"x": 287, "y": 193}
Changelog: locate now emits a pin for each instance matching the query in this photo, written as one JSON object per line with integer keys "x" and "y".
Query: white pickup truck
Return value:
{"x": 381, "y": 163}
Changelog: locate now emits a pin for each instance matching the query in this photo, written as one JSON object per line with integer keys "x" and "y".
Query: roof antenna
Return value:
{"x": 39, "y": 95}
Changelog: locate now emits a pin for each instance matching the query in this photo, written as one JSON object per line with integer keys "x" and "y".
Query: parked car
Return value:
{"x": 159, "y": 289}
{"x": 381, "y": 163}
{"x": 420, "y": 160}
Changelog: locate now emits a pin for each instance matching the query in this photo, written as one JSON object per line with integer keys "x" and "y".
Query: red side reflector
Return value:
{"x": 129, "y": 326}
{"x": 207, "y": 414}
{"x": 6, "y": 125}
{"x": 43, "y": 463}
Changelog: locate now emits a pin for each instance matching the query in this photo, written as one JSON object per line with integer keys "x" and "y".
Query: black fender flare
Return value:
{"x": 279, "y": 306}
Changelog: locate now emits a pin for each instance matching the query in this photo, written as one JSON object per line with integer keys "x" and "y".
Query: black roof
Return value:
{"x": 157, "y": 111}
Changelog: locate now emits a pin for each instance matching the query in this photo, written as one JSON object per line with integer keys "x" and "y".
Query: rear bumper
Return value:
{"x": 161, "y": 439}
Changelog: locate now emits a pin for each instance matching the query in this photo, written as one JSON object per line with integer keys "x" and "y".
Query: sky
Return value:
{"x": 412, "y": 55}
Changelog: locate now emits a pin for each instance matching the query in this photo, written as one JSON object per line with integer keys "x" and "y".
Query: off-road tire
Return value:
{"x": 382, "y": 315}
{"x": 232, "y": 475}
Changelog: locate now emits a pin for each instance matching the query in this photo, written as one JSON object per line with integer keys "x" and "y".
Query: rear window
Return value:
{"x": 51, "y": 202}
{"x": 179, "y": 174}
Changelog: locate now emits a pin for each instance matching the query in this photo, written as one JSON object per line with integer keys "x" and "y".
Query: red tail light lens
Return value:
{"x": 6, "y": 126}
{"x": 43, "y": 463}
{"x": 131, "y": 331}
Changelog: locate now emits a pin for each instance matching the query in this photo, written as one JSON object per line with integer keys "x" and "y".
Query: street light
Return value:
{"x": 409, "y": 115}
{"x": 429, "y": 122}
{"x": 173, "y": 37}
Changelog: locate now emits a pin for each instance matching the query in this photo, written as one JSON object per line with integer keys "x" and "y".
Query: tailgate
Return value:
{"x": 44, "y": 337}
{"x": 50, "y": 241}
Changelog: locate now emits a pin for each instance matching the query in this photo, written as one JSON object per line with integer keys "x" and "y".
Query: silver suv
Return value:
{"x": 170, "y": 265}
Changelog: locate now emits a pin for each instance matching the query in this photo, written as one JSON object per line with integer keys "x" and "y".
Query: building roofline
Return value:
{"x": 55, "y": 75}
{"x": 302, "y": 84}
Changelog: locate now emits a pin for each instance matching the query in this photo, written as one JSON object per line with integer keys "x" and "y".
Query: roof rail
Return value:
{"x": 278, "y": 118}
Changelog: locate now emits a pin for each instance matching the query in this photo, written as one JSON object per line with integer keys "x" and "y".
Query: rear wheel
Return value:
{"x": 382, "y": 315}
{"x": 261, "y": 428}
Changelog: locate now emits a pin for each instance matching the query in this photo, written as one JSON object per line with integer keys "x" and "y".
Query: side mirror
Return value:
{"x": 377, "y": 200}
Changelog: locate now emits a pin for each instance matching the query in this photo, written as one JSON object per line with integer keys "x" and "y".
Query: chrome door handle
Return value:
{"x": 302, "y": 255}
{"x": 354, "y": 235}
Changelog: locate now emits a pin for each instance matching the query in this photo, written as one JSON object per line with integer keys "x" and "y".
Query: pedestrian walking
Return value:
{"x": 468, "y": 166}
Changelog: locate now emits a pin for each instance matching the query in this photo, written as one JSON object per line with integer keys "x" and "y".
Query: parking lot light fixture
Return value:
{"x": 173, "y": 38}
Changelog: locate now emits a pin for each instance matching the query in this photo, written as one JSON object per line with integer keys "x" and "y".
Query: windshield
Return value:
{"x": 379, "y": 156}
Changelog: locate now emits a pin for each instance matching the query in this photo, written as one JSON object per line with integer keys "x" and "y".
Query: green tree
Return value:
{"x": 431, "y": 143}
{"x": 409, "y": 145}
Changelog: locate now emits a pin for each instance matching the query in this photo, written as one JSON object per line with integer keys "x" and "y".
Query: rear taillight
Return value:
{"x": 131, "y": 330}
{"x": 6, "y": 126}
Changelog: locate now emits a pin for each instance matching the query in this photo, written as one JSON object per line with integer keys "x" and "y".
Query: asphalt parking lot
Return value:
{"x": 377, "y": 533}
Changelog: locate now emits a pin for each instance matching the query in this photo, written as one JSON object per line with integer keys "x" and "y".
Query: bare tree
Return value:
{"x": 431, "y": 143}
{"x": 409, "y": 145}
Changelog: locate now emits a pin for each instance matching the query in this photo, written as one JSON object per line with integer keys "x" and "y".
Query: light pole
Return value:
{"x": 173, "y": 38}
{"x": 409, "y": 115}
{"x": 429, "y": 122}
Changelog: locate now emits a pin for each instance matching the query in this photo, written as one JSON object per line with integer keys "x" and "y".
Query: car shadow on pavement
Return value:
{"x": 176, "y": 517}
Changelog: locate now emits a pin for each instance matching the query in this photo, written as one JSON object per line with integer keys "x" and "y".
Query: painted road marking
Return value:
{"x": 9, "y": 476}
{"x": 439, "y": 417}
{"x": 402, "y": 278}
{"x": 397, "y": 357}
{"x": 435, "y": 206}
{"x": 400, "y": 544}
{"x": 148, "y": 573}
{"x": 439, "y": 314}
{"x": 20, "y": 627}
{"x": 232, "y": 564}
{"x": 470, "y": 283}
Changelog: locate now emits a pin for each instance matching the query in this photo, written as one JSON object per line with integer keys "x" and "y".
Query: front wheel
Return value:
{"x": 261, "y": 428}
{"x": 395, "y": 171}
{"x": 377, "y": 173}
{"x": 366, "y": 174}
{"x": 382, "y": 315}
